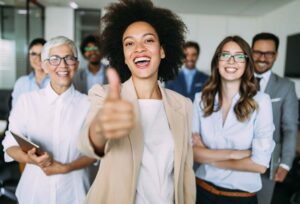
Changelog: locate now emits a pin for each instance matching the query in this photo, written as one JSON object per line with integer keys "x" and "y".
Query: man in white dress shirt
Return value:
{"x": 52, "y": 118}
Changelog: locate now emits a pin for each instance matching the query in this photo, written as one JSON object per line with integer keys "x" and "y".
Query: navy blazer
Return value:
{"x": 179, "y": 84}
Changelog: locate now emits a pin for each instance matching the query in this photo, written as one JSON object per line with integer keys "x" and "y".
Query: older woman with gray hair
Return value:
{"x": 52, "y": 118}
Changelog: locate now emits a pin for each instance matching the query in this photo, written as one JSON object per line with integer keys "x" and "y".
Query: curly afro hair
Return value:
{"x": 168, "y": 25}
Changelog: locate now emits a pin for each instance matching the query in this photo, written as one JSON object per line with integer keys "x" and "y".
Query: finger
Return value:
{"x": 32, "y": 151}
{"x": 123, "y": 125}
{"x": 114, "y": 84}
{"x": 117, "y": 134}
{"x": 114, "y": 117}
{"x": 120, "y": 105}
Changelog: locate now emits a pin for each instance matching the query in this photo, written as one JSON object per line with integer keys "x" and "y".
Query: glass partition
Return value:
{"x": 87, "y": 21}
{"x": 20, "y": 22}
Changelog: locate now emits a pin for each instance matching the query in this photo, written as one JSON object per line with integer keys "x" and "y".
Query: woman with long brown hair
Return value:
{"x": 232, "y": 128}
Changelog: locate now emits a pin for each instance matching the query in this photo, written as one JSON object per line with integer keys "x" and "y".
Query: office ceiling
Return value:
{"x": 209, "y": 7}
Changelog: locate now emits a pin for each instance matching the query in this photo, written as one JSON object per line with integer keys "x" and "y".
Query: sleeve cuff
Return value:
{"x": 286, "y": 167}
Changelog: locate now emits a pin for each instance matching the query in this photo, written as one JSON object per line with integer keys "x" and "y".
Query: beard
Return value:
{"x": 95, "y": 62}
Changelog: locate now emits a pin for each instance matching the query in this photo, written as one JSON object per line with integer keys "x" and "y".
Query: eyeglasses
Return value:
{"x": 34, "y": 54}
{"x": 239, "y": 58}
{"x": 93, "y": 48}
{"x": 55, "y": 60}
{"x": 268, "y": 55}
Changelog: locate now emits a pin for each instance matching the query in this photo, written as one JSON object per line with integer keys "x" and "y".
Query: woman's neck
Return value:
{"x": 39, "y": 76}
{"x": 230, "y": 89}
{"x": 147, "y": 89}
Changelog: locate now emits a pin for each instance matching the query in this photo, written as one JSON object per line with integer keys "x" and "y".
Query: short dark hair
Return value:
{"x": 89, "y": 39}
{"x": 168, "y": 25}
{"x": 192, "y": 44}
{"x": 36, "y": 41}
{"x": 266, "y": 36}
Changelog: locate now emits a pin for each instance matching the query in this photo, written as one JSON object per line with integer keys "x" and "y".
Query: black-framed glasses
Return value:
{"x": 268, "y": 55}
{"x": 239, "y": 57}
{"x": 55, "y": 60}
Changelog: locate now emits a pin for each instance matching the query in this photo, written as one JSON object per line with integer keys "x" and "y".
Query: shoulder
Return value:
{"x": 98, "y": 92}
{"x": 198, "y": 97}
{"x": 30, "y": 97}
{"x": 22, "y": 80}
{"x": 200, "y": 73}
{"x": 283, "y": 81}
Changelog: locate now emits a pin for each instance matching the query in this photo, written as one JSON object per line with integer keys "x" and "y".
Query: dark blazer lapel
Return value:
{"x": 136, "y": 136}
{"x": 176, "y": 124}
{"x": 182, "y": 83}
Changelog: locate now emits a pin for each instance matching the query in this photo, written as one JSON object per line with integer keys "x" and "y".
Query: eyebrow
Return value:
{"x": 146, "y": 34}
{"x": 238, "y": 52}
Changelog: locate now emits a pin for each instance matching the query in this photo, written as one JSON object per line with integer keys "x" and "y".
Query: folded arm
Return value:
{"x": 60, "y": 168}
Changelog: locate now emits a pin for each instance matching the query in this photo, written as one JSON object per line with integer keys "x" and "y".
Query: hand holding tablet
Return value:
{"x": 26, "y": 144}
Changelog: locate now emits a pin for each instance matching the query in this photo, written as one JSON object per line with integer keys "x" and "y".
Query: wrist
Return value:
{"x": 67, "y": 168}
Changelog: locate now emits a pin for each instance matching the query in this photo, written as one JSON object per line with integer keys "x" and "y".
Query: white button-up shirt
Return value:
{"x": 255, "y": 134}
{"x": 156, "y": 178}
{"x": 264, "y": 80}
{"x": 53, "y": 122}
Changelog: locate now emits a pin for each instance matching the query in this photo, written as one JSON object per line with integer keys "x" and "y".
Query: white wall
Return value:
{"x": 59, "y": 21}
{"x": 208, "y": 30}
{"x": 283, "y": 22}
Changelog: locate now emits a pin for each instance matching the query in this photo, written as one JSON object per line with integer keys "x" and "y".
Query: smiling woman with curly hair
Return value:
{"x": 139, "y": 130}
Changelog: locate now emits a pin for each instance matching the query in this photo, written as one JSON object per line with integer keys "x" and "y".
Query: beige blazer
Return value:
{"x": 117, "y": 177}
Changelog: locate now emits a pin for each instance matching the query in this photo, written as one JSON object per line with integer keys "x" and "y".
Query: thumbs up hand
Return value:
{"x": 116, "y": 118}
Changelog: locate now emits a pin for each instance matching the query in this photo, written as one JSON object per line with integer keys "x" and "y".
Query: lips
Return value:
{"x": 142, "y": 61}
{"x": 231, "y": 69}
{"x": 62, "y": 73}
{"x": 262, "y": 64}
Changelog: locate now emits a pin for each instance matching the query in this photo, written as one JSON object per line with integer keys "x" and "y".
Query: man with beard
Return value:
{"x": 95, "y": 71}
{"x": 285, "y": 112}
{"x": 189, "y": 80}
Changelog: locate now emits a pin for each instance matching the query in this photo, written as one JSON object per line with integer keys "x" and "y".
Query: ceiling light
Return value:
{"x": 73, "y": 5}
{"x": 2, "y": 3}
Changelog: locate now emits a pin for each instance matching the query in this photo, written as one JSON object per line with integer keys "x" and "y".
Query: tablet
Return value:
{"x": 26, "y": 144}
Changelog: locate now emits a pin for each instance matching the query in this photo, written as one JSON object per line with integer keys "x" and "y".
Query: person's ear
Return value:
{"x": 162, "y": 53}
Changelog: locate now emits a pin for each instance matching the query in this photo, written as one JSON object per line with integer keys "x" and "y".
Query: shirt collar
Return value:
{"x": 264, "y": 76}
{"x": 31, "y": 75}
{"x": 100, "y": 71}
{"x": 187, "y": 71}
{"x": 52, "y": 96}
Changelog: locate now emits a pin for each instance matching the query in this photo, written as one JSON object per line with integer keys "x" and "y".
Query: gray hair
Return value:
{"x": 57, "y": 41}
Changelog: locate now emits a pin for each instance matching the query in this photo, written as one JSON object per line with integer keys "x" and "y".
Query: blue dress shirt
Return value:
{"x": 26, "y": 84}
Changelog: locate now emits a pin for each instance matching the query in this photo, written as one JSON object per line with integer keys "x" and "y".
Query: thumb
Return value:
{"x": 114, "y": 84}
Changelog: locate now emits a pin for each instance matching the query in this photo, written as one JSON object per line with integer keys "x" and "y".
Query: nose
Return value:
{"x": 231, "y": 60}
{"x": 140, "y": 48}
